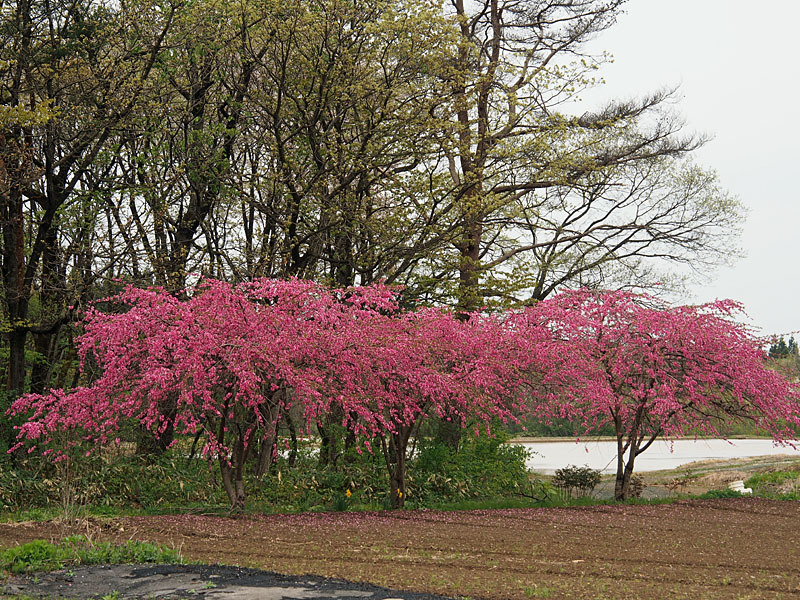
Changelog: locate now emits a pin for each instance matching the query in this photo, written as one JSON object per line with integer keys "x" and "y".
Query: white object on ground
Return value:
{"x": 738, "y": 486}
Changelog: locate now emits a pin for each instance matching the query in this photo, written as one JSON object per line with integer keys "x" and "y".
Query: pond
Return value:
{"x": 546, "y": 457}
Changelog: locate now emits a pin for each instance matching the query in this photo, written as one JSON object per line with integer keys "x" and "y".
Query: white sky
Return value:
{"x": 738, "y": 66}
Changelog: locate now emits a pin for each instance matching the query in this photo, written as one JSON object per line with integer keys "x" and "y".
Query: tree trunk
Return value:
{"x": 293, "y": 436}
{"x": 622, "y": 485}
{"x": 51, "y": 300}
{"x": 329, "y": 442}
{"x": 398, "y": 472}
{"x": 270, "y": 414}
{"x": 156, "y": 443}
{"x": 16, "y": 382}
{"x": 395, "y": 456}
{"x": 234, "y": 487}
{"x": 266, "y": 453}
{"x": 233, "y": 474}
{"x": 16, "y": 295}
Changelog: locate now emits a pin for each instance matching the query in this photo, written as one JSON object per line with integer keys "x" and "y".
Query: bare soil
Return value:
{"x": 726, "y": 548}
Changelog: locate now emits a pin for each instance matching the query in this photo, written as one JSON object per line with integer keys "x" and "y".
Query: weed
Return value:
{"x": 40, "y": 555}
{"x": 536, "y": 591}
{"x": 726, "y": 493}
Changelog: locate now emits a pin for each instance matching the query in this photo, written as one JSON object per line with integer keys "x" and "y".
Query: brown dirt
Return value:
{"x": 731, "y": 548}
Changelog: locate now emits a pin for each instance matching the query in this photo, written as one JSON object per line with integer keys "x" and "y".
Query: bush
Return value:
{"x": 580, "y": 481}
{"x": 485, "y": 467}
{"x": 636, "y": 487}
{"x": 37, "y": 555}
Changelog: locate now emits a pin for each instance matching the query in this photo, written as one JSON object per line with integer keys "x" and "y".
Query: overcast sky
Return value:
{"x": 738, "y": 67}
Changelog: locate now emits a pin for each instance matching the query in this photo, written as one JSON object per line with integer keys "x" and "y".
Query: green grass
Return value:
{"x": 554, "y": 500}
{"x": 767, "y": 485}
{"x": 40, "y": 555}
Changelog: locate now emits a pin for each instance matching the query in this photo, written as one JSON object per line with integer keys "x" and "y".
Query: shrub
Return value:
{"x": 485, "y": 467}
{"x": 37, "y": 555}
{"x": 636, "y": 487}
{"x": 574, "y": 480}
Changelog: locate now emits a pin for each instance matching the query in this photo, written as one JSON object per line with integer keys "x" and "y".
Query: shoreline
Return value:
{"x": 611, "y": 438}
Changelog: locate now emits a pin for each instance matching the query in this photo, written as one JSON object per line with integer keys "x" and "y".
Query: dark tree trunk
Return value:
{"x": 16, "y": 382}
{"x": 622, "y": 484}
{"x": 634, "y": 446}
{"x": 394, "y": 454}
{"x": 152, "y": 443}
{"x": 233, "y": 482}
{"x": 13, "y": 271}
{"x": 293, "y": 437}
{"x": 329, "y": 441}
{"x": 51, "y": 300}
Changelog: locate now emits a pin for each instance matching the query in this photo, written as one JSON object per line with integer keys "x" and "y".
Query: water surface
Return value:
{"x": 548, "y": 456}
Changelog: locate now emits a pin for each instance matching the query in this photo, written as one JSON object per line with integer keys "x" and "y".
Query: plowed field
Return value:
{"x": 731, "y": 548}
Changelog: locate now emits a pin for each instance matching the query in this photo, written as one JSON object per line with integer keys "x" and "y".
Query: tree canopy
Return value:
{"x": 229, "y": 359}
{"x": 663, "y": 371}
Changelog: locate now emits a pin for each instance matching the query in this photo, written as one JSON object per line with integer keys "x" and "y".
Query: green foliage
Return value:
{"x": 723, "y": 493}
{"x": 109, "y": 480}
{"x": 37, "y": 555}
{"x": 40, "y": 555}
{"x": 574, "y": 480}
{"x": 310, "y": 485}
{"x": 535, "y": 427}
{"x": 782, "y": 349}
{"x": 484, "y": 468}
{"x": 783, "y": 485}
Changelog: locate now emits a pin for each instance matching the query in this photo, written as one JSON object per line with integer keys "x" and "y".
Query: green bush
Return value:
{"x": 37, "y": 555}
{"x": 574, "y": 480}
{"x": 483, "y": 468}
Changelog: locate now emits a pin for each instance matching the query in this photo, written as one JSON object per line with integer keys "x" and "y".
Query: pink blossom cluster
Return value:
{"x": 224, "y": 358}
{"x": 667, "y": 371}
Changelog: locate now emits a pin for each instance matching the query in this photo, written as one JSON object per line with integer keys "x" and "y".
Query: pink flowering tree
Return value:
{"x": 662, "y": 371}
{"x": 395, "y": 370}
{"x": 225, "y": 358}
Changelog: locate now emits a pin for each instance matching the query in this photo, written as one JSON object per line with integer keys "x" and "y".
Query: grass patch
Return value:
{"x": 723, "y": 493}
{"x": 781, "y": 485}
{"x": 40, "y": 555}
{"x": 553, "y": 500}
